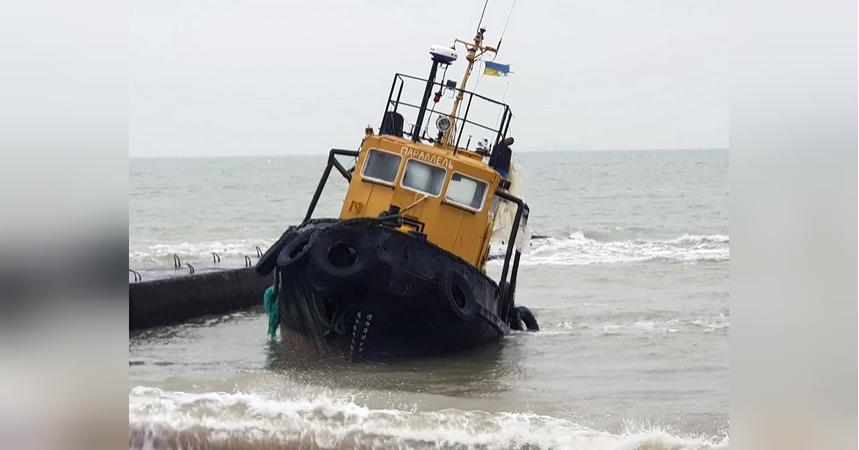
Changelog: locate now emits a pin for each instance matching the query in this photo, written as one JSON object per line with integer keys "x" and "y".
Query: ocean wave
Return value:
{"x": 635, "y": 327}
{"x": 575, "y": 249}
{"x": 159, "y": 418}
{"x": 578, "y": 249}
{"x": 162, "y": 254}
{"x": 617, "y": 326}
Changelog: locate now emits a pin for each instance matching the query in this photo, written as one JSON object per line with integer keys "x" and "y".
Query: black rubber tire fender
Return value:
{"x": 296, "y": 252}
{"x": 268, "y": 261}
{"x": 350, "y": 246}
{"x": 457, "y": 295}
{"x": 528, "y": 318}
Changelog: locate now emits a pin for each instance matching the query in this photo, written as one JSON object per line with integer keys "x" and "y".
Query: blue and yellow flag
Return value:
{"x": 496, "y": 70}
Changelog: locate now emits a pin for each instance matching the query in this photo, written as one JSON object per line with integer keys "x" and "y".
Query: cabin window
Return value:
{"x": 382, "y": 166}
{"x": 423, "y": 177}
{"x": 466, "y": 191}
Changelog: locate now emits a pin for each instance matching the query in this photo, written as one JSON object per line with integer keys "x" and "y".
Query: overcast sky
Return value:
{"x": 267, "y": 77}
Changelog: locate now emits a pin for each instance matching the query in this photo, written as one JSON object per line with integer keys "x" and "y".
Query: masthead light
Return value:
{"x": 443, "y": 123}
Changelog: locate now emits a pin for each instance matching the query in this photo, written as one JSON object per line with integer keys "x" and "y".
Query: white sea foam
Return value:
{"x": 578, "y": 249}
{"x": 160, "y": 418}
{"x": 162, "y": 254}
{"x": 575, "y": 249}
{"x": 634, "y": 327}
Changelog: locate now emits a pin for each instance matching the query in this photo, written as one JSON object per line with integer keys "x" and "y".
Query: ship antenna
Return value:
{"x": 475, "y": 50}
{"x": 498, "y": 47}
{"x": 480, "y": 22}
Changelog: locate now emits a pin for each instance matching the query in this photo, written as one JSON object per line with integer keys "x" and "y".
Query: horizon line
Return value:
{"x": 268, "y": 155}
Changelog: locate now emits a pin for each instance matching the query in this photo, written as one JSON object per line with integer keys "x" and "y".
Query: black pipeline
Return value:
{"x": 175, "y": 300}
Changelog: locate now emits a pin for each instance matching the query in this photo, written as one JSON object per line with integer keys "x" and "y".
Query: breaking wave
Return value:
{"x": 578, "y": 249}
{"x": 575, "y": 249}
{"x": 162, "y": 254}
{"x": 169, "y": 419}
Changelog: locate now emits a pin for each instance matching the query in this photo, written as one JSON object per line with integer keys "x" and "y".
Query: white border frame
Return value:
{"x": 403, "y": 177}
{"x": 460, "y": 205}
{"x": 379, "y": 180}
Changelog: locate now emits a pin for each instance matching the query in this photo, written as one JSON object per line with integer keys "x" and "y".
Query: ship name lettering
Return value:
{"x": 421, "y": 155}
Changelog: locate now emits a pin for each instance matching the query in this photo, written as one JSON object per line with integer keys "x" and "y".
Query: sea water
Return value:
{"x": 627, "y": 274}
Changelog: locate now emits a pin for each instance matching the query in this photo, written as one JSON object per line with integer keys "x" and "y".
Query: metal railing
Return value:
{"x": 508, "y": 290}
{"x": 332, "y": 162}
{"x": 460, "y": 121}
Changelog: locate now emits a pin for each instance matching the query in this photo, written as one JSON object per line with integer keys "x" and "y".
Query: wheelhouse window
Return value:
{"x": 466, "y": 192}
{"x": 382, "y": 166}
{"x": 423, "y": 177}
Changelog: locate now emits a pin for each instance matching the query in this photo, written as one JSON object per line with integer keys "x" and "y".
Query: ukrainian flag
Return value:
{"x": 495, "y": 70}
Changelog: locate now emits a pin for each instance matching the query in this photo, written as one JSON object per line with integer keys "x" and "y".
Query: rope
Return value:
{"x": 479, "y": 76}
{"x": 503, "y": 99}
{"x": 272, "y": 308}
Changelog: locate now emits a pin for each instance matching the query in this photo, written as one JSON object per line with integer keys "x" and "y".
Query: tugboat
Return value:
{"x": 402, "y": 270}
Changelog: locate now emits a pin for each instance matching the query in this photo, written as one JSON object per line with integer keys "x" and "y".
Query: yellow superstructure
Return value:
{"x": 437, "y": 190}
{"x": 446, "y": 194}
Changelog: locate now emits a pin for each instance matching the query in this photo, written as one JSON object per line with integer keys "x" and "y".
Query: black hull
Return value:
{"x": 365, "y": 291}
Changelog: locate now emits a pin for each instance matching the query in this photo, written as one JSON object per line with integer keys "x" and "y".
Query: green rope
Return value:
{"x": 272, "y": 308}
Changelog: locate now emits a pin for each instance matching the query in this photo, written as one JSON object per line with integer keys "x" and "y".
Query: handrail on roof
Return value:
{"x": 500, "y": 132}
{"x": 456, "y": 89}
{"x": 445, "y": 114}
